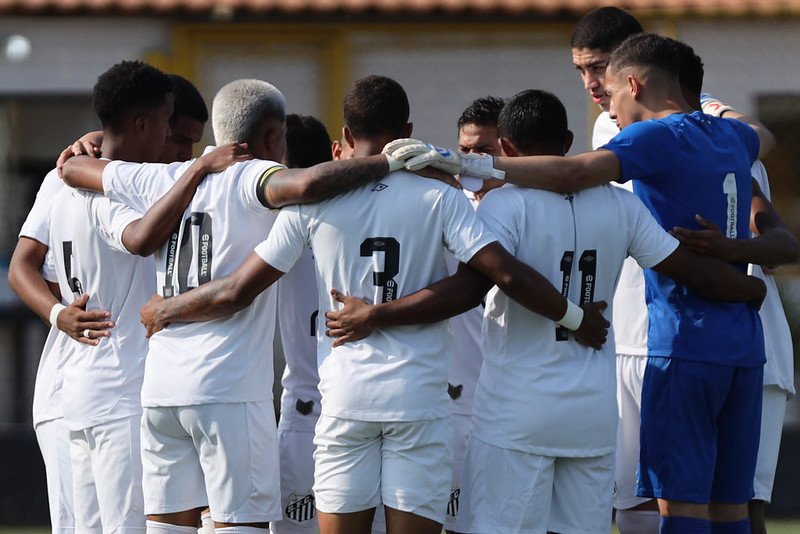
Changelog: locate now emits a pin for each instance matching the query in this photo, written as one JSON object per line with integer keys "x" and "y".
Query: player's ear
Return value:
{"x": 141, "y": 124}
{"x": 568, "y": 141}
{"x": 634, "y": 85}
{"x": 408, "y": 129}
{"x": 348, "y": 136}
{"x": 508, "y": 147}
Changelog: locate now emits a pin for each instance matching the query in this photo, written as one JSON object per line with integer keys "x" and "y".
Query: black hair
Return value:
{"x": 307, "y": 141}
{"x": 376, "y": 105}
{"x": 482, "y": 112}
{"x": 188, "y": 102}
{"x": 604, "y": 28}
{"x": 690, "y": 68}
{"x": 128, "y": 87}
{"x": 533, "y": 118}
{"x": 647, "y": 50}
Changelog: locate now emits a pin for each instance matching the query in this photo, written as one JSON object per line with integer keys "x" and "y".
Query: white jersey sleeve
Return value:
{"x": 49, "y": 272}
{"x": 37, "y": 223}
{"x": 605, "y": 129}
{"x": 285, "y": 243}
{"x": 502, "y": 219}
{"x": 779, "y": 369}
{"x": 464, "y": 233}
{"x": 140, "y": 185}
{"x": 649, "y": 244}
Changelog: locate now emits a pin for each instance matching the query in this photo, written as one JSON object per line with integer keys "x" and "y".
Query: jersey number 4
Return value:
{"x": 587, "y": 265}
{"x": 74, "y": 284}
{"x": 195, "y": 249}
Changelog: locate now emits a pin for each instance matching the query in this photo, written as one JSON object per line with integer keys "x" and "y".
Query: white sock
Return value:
{"x": 637, "y": 521}
{"x": 242, "y": 530}
{"x": 207, "y": 526}
{"x": 154, "y": 527}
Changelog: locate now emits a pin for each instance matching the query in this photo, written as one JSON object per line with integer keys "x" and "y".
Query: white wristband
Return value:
{"x": 54, "y": 311}
{"x": 572, "y": 317}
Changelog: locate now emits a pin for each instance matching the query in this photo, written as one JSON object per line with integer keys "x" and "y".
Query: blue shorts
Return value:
{"x": 699, "y": 432}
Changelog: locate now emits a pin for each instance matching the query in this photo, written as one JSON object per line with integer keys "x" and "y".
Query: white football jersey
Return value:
{"x": 101, "y": 383}
{"x": 779, "y": 369}
{"x": 380, "y": 242}
{"x": 228, "y": 359}
{"x": 301, "y": 325}
{"x": 630, "y": 308}
{"x": 57, "y": 349}
{"x": 465, "y": 365}
{"x": 540, "y": 391}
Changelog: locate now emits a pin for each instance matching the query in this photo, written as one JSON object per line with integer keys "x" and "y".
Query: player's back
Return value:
{"x": 683, "y": 165}
{"x": 380, "y": 242}
{"x": 222, "y": 360}
{"x": 535, "y": 375}
{"x": 102, "y": 382}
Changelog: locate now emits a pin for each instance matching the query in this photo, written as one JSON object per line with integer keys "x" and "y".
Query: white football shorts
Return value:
{"x": 224, "y": 456}
{"x": 107, "y": 477}
{"x": 630, "y": 374}
{"x": 507, "y": 492}
{"x": 297, "y": 481}
{"x": 405, "y": 465}
{"x": 53, "y": 438}
{"x": 773, "y": 410}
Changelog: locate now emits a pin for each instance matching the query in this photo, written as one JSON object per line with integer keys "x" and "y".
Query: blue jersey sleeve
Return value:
{"x": 643, "y": 150}
{"x": 749, "y": 137}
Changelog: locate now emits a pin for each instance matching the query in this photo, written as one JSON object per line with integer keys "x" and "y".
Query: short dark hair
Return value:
{"x": 604, "y": 28}
{"x": 188, "y": 101}
{"x": 690, "y": 68}
{"x": 482, "y": 112}
{"x": 376, "y": 105}
{"x": 307, "y": 141}
{"x": 128, "y": 87}
{"x": 647, "y": 50}
{"x": 533, "y": 118}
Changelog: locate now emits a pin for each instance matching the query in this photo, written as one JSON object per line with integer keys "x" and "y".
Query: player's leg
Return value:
{"x": 237, "y": 444}
{"x": 53, "y": 438}
{"x": 582, "y": 492}
{"x": 461, "y": 425}
{"x": 681, "y": 401}
{"x": 117, "y": 465}
{"x": 739, "y": 425}
{"x": 84, "y": 492}
{"x": 297, "y": 480}
{"x": 172, "y": 477}
{"x": 635, "y": 515}
{"x": 347, "y": 474}
{"x": 416, "y": 470}
{"x": 773, "y": 410}
{"x": 505, "y": 491}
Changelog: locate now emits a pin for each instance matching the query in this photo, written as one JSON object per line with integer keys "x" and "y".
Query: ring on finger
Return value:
{"x": 86, "y": 333}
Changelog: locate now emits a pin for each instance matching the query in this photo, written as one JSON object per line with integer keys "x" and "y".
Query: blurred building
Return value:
{"x": 444, "y": 52}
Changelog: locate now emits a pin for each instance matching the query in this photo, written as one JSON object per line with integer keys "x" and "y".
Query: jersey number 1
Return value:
{"x": 587, "y": 265}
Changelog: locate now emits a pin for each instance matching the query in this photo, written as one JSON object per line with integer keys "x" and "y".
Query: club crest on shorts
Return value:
{"x": 301, "y": 508}
{"x": 304, "y": 407}
{"x": 454, "y": 391}
{"x": 452, "y": 504}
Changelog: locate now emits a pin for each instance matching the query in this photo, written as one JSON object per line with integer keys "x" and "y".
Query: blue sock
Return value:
{"x": 738, "y": 527}
{"x": 684, "y": 525}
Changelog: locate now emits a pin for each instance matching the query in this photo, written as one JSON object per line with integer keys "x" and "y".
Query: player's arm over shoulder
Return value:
{"x": 562, "y": 174}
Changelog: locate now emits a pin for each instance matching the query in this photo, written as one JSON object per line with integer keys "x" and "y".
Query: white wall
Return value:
{"x": 68, "y": 54}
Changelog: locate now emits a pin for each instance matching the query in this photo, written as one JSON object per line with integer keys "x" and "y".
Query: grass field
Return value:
{"x": 774, "y": 527}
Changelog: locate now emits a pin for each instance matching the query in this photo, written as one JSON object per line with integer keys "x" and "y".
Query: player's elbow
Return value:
{"x": 69, "y": 173}
{"x": 235, "y": 295}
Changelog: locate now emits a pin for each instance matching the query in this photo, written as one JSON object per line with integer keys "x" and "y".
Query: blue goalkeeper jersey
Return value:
{"x": 682, "y": 165}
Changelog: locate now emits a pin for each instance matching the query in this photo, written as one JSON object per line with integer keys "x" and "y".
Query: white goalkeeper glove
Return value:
{"x": 472, "y": 169}
{"x": 397, "y": 152}
{"x": 712, "y": 105}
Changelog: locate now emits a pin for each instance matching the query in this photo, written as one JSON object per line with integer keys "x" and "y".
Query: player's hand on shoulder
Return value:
{"x": 88, "y": 145}
{"x": 148, "y": 315}
{"x": 593, "y": 330}
{"x": 351, "y": 322}
{"x": 709, "y": 242}
{"x": 399, "y": 151}
{"x": 86, "y": 327}
{"x": 224, "y": 156}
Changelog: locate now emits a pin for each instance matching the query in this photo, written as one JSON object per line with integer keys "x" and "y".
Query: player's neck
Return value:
{"x": 116, "y": 148}
{"x": 367, "y": 147}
